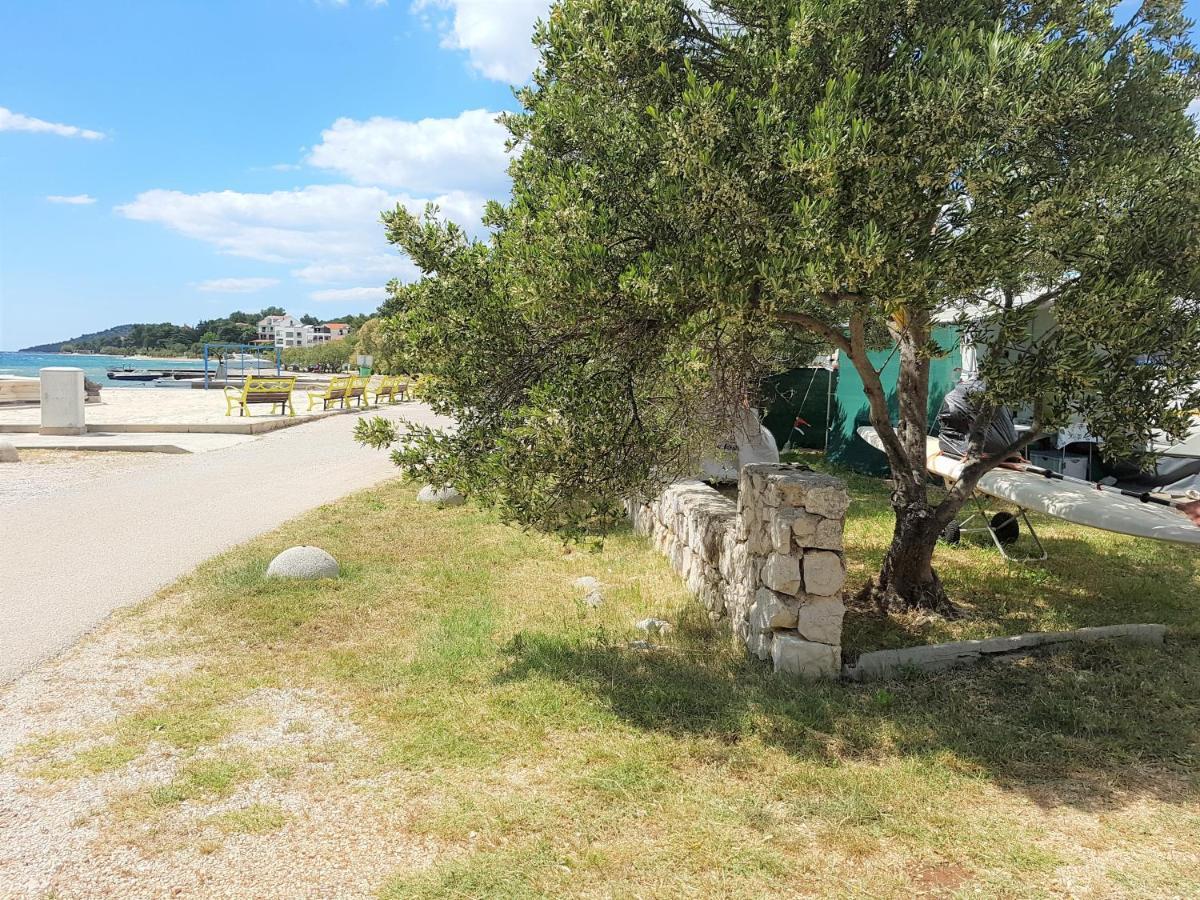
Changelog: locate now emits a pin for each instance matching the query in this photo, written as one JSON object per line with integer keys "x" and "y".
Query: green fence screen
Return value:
{"x": 850, "y": 410}
{"x": 801, "y": 394}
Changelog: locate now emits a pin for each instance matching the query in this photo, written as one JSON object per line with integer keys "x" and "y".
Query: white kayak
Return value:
{"x": 1082, "y": 503}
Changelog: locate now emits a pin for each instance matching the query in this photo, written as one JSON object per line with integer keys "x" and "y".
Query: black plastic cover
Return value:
{"x": 957, "y": 416}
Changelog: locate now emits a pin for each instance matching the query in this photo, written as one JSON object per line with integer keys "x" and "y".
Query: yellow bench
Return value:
{"x": 393, "y": 387}
{"x": 337, "y": 391}
{"x": 275, "y": 390}
{"x": 358, "y": 391}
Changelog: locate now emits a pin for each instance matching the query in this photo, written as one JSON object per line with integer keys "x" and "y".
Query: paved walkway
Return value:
{"x": 67, "y": 561}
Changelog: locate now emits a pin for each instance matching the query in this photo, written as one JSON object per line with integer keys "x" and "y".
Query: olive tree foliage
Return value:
{"x": 696, "y": 188}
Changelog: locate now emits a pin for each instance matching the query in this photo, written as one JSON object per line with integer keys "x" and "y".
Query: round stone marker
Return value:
{"x": 303, "y": 562}
{"x": 443, "y": 495}
{"x": 8, "y": 453}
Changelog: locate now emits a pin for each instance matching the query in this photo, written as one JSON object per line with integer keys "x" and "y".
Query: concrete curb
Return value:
{"x": 235, "y": 427}
{"x": 938, "y": 657}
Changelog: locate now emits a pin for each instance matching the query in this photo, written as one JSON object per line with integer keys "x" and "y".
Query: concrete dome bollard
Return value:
{"x": 444, "y": 495}
{"x": 303, "y": 562}
{"x": 8, "y": 453}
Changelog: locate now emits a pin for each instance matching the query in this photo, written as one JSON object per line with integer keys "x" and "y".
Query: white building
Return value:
{"x": 269, "y": 328}
{"x": 288, "y": 331}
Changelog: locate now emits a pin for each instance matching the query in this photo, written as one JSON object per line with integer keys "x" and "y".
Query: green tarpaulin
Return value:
{"x": 850, "y": 410}
{"x": 799, "y": 394}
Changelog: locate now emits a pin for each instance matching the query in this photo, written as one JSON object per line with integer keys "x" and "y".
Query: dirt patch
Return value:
{"x": 276, "y": 798}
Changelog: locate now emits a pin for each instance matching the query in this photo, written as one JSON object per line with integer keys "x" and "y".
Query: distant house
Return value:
{"x": 288, "y": 331}
{"x": 271, "y": 328}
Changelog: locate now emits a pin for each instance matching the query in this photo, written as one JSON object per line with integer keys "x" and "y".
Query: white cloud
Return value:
{"x": 73, "y": 199}
{"x": 11, "y": 121}
{"x": 426, "y": 156}
{"x": 331, "y": 233}
{"x": 1193, "y": 109}
{"x": 350, "y": 295}
{"x": 236, "y": 285}
{"x": 497, "y": 35}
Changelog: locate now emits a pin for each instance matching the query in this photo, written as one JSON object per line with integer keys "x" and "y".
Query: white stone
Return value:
{"x": 8, "y": 453}
{"x": 820, "y": 620}
{"x": 805, "y": 659}
{"x": 780, "y": 529}
{"x": 62, "y": 397}
{"x": 444, "y": 495}
{"x": 593, "y": 599}
{"x": 824, "y": 572}
{"x": 782, "y": 573}
{"x": 828, "y": 500}
{"x": 759, "y": 643}
{"x": 771, "y": 611}
{"x": 828, "y": 535}
{"x": 653, "y": 626}
{"x": 303, "y": 562}
{"x": 586, "y": 583}
{"x": 804, "y": 527}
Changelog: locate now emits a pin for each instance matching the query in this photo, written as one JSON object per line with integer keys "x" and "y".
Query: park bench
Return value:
{"x": 275, "y": 390}
{"x": 337, "y": 391}
{"x": 358, "y": 391}
{"x": 392, "y": 388}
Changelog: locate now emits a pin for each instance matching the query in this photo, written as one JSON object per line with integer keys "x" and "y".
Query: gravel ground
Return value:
{"x": 95, "y": 835}
{"x": 41, "y": 473}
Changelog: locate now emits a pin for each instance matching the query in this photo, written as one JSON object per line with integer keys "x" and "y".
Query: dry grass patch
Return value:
{"x": 505, "y": 740}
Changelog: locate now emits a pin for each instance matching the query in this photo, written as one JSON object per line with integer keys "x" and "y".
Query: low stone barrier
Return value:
{"x": 937, "y": 657}
{"x": 772, "y": 563}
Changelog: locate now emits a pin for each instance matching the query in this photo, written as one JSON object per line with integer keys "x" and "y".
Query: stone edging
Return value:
{"x": 938, "y": 657}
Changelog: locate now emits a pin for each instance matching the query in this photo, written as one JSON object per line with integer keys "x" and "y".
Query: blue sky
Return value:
{"x": 163, "y": 160}
{"x": 171, "y": 160}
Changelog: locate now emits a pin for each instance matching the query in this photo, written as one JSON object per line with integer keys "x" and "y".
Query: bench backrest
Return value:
{"x": 357, "y": 386}
{"x": 338, "y": 385}
{"x": 259, "y": 387}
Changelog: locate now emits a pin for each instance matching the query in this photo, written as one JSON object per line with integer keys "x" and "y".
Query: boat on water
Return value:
{"x": 132, "y": 375}
{"x": 155, "y": 375}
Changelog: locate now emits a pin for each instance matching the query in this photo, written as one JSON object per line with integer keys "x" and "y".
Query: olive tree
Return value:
{"x": 701, "y": 193}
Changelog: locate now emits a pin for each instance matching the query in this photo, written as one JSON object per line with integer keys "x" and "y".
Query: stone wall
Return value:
{"x": 772, "y": 563}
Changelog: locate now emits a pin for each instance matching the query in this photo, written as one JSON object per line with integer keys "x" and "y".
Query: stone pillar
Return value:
{"x": 785, "y": 595}
{"x": 62, "y": 400}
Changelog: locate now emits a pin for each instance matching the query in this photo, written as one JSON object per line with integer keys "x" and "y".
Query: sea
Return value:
{"x": 95, "y": 367}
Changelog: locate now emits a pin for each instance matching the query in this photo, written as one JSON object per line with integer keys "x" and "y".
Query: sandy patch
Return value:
{"x": 41, "y": 473}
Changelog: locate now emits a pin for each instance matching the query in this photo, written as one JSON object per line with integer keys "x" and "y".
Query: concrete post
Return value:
{"x": 62, "y": 400}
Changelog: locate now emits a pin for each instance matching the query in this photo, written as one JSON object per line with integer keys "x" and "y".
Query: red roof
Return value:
{"x": 336, "y": 325}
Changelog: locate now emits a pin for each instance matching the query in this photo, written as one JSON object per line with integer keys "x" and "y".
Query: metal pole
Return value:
{"x": 206, "y": 367}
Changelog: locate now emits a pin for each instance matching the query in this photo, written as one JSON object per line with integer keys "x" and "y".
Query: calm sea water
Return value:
{"x": 94, "y": 367}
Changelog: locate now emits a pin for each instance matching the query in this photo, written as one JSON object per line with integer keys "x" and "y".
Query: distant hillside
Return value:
{"x": 113, "y": 335}
{"x": 166, "y": 339}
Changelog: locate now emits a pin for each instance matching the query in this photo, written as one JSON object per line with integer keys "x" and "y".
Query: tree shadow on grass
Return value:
{"x": 1078, "y": 727}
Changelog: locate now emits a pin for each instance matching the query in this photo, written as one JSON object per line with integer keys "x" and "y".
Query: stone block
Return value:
{"x": 782, "y": 573}
{"x": 824, "y": 572}
{"x": 759, "y": 643}
{"x": 792, "y": 655}
{"x": 804, "y": 527}
{"x": 771, "y": 611}
{"x": 828, "y": 535}
{"x": 820, "y": 619}
{"x": 828, "y": 500}
{"x": 8, "y": 453}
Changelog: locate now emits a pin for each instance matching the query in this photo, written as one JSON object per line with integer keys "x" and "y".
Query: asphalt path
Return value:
{"x": 68, "y": 560}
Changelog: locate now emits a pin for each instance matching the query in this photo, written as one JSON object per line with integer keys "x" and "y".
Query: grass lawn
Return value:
{"x": 536, "y": 754}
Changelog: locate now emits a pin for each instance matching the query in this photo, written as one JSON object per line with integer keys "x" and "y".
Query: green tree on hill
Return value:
{"x": 697, "y": 190}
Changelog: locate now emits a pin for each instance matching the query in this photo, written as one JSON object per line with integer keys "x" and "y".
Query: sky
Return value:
{"x": 173, "y": 160}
